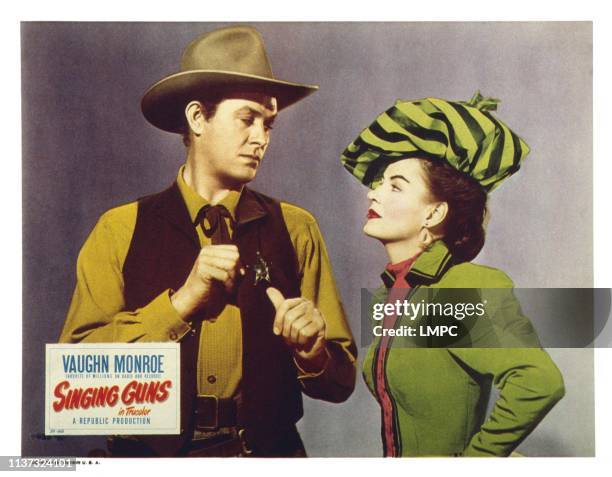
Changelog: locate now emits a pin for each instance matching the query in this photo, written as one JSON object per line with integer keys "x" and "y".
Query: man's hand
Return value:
{"x": 302, "y": 327}
{"x": 211, "y": 279}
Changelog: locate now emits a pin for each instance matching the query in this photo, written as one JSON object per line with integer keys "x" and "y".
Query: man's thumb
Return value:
{"x": 275, "y": 296}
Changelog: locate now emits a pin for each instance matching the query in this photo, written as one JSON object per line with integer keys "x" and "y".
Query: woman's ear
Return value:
{"x": 436, "y": 215}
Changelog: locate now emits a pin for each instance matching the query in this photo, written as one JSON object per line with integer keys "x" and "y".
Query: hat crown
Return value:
{"x": 463, "y": 133}
{"x": 229, "y": 59}
{"x": 237, "y": 49}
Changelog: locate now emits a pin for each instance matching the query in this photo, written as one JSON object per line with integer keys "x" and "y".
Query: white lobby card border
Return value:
{"x": 120, "y": 401}
{"x": 449, "y": 11}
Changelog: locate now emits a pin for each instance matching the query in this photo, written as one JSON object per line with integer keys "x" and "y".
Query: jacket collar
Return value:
{"x": 428, "y": 268}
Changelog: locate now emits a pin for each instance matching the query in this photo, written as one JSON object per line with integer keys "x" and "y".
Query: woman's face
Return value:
{"x": 400, "y": 205}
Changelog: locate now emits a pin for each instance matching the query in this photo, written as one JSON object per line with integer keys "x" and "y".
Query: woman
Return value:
{"x": 431, "y": 164}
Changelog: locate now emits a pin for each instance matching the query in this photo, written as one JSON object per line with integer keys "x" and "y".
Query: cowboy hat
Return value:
{"x": 232, "y": 58}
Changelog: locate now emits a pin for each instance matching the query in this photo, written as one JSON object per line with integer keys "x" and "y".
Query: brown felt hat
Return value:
{"x": 227, "y": 59}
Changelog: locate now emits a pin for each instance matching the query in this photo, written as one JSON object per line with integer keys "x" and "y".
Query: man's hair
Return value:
{"x": 209, "y": 104}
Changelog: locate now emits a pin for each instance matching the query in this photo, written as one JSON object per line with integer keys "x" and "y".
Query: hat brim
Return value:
{"x": 163, "y": 105}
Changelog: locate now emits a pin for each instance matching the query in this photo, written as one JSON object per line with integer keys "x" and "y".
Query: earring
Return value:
{"x": 426, "y": 238}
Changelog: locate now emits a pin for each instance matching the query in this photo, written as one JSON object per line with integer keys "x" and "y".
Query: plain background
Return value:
{"x": 86, "y": 148}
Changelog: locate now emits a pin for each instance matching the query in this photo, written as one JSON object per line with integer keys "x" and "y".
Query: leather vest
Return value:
{"x": 162, "y": 252}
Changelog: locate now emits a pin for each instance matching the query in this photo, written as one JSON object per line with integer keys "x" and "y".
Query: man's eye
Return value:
{"x": 247, "y": 121}
{"x": 268, "y": 127}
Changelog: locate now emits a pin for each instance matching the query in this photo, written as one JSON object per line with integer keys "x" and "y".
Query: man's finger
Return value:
{"x": 213, "y": 251}
{"x": 297, "y": 328}
{"x": 224, "y": 246}
{"x": 308, "y": 334}
{"x": 275, "y": 296}
{"x": 220, "y": 263}
{"x": 292, "y": 315}
{"x": 283, "y": 307}
{"x": 278, "y": 300}
{"x": 217, "y": 274}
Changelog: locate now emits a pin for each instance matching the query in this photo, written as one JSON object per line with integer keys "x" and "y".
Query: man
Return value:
{"x": 242, "y": 281}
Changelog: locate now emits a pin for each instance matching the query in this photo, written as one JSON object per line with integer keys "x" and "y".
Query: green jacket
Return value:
{"x": 439, "y": 395}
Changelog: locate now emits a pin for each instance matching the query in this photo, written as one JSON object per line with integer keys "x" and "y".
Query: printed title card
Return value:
{"x": 112, "y": 388}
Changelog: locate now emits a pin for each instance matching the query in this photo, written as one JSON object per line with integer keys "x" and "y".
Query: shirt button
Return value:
{"x": 173, "y": 335}
{"x": 212, "y": 379}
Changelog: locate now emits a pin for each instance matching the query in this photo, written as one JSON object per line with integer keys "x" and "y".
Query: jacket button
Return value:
{"x": 212, "y": 379}
{"x": 173, "y": 335}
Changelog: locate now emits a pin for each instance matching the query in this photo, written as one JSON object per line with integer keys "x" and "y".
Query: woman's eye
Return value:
{"x": 395, "y": 188}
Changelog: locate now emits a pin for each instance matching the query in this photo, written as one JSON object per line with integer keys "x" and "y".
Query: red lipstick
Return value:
{"x": 372, "y": 214}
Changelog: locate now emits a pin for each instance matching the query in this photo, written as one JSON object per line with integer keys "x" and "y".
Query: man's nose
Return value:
{"x": 259, "y": 135}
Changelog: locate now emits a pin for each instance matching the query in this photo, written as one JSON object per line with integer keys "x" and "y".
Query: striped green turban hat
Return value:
{"x": 464, "y": 133}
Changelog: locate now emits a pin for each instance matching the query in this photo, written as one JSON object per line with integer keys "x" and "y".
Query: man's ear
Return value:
{"x": 194, "y": 113}
{"x": 437, "y": 214}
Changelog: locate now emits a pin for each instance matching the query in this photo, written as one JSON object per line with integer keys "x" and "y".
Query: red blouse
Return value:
{"x": 398, "y": 291}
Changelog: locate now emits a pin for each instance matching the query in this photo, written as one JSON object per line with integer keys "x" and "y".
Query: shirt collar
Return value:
{"x": 427, "y": 268}
{"x": 195, "y": 201}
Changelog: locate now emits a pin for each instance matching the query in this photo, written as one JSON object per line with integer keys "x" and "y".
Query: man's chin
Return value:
{"x": 241, "y": 178}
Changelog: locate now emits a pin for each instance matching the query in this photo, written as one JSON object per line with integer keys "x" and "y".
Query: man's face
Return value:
{"x": 234, "y": 140}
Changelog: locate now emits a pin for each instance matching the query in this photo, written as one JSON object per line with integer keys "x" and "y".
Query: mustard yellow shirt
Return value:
{"x": 97, "y": 311}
